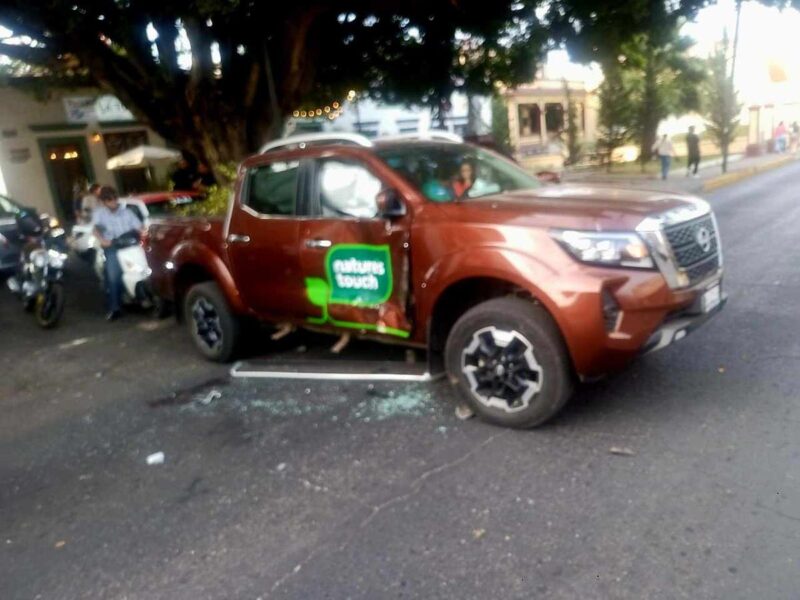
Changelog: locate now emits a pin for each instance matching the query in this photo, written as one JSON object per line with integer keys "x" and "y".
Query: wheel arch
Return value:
{"x": 195, "y": 263}
{"x": 482, "y": 275}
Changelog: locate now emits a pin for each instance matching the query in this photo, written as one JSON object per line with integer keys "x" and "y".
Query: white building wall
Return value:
{"x": 22, "y": 120}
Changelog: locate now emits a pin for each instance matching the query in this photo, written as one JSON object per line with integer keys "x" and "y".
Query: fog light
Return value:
{"x": 611, "y": 311}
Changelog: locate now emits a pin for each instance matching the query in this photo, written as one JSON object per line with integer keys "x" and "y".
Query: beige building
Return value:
{"x": 537, "y": 121}
{"x": 48, "y": 148}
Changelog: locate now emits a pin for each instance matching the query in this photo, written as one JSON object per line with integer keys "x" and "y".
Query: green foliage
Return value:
{"x": 643, "y": 37}
{"x": 217, "y": 197}
{"x": 663, "y": 80}
{"x": 573, "y": 141}
{"x": 721, "y": 106}
{"x": 616, "y": 117}
{"x": 596, "y": 31}
{"x": 500, "y": 129}
{"x": 274, "y": 57}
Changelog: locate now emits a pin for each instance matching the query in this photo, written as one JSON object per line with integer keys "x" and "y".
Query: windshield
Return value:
{"x": 450, "y": 172}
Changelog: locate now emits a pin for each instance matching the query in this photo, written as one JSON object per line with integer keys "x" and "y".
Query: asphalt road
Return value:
{"x": 300, "y": 490}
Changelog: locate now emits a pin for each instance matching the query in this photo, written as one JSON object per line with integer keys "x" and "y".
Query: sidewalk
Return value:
{"x": 710, "y": 176}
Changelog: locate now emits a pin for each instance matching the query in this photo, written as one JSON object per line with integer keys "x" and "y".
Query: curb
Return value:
{"x": 740, "y": 174}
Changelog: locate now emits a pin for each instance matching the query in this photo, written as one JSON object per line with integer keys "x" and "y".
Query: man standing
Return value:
{"x": 665, "y": 151}
{"x": 693, "y": 150}
{"x": 110, "y": 222}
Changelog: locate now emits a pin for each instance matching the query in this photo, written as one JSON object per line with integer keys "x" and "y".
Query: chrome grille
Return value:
{"x": 691, "y": 257}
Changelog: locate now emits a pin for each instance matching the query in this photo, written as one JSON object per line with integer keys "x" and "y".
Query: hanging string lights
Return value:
{"x": 332, "y": 110}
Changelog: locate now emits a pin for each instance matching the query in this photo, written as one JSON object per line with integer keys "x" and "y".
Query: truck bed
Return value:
{"x": 167, "y": 234}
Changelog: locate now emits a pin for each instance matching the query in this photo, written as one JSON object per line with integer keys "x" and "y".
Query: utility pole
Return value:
{"x": 736, "y": 39}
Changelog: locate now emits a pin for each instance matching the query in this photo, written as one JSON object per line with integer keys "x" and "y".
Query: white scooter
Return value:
{"x": 132, "y": 260}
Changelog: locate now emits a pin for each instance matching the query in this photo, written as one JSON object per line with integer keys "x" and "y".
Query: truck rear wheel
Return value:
{"x": 509, "y": 362}
{"x": 212, "y": 325}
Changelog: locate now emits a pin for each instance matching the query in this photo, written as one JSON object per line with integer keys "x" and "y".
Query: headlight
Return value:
{"x": 54, "y": 223}
{"x": 39, "y": 258}
{"x": 56, "y": 258}
{"x": 608, "y": 249}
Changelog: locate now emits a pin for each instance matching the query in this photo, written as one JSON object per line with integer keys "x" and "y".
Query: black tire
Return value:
{"x": 509, "y": 361}
{"x": 212, "y": 325}
{"x": 49, "y": 307}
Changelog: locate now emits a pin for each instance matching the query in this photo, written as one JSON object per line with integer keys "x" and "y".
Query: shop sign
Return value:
{"x": 95, "y": 109}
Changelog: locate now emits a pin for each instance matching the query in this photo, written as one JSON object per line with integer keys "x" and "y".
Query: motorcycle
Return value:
{"x": 39, "y": 278}
{"x": 135, "y": 270}
{"x": 132, "y": 261}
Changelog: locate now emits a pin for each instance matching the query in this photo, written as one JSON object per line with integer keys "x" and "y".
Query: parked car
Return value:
{"x": 515, "y": 290}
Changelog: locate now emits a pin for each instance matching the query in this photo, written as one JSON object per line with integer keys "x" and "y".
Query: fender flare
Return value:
{"x": 501, "y": 263}
{"x": 193, "y": 253}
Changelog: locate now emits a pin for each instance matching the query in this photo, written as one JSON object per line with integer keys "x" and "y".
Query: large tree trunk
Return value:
{"x": 650, "y": 115}
{"x": 724, "y": 149}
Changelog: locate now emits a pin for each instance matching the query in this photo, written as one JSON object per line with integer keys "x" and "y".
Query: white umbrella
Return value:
{"x": 142, "y": 156}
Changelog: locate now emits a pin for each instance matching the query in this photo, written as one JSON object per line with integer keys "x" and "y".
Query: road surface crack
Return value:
{"x": 414, "y": 487}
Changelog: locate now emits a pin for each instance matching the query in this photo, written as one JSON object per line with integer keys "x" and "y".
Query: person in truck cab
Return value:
{"x": 464, "y": 180}
{"x": 111, "y": 221}
{"x": 515, "y": 290}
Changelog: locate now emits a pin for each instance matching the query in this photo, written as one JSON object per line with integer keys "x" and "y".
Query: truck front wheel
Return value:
{"x": 509, "y": 362}
{"x": 212, "y": 325}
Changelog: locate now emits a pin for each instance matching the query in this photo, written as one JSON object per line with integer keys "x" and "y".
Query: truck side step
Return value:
{"x": 334, "y": 370}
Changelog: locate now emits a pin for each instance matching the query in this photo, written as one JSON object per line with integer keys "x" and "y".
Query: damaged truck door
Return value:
{"x": 353, "y": 254}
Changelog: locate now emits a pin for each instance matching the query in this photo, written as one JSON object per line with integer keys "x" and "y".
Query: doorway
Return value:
{"x": 68, "y": 171}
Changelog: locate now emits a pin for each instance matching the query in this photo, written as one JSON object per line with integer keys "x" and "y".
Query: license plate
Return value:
{"x": 711, "y": 299}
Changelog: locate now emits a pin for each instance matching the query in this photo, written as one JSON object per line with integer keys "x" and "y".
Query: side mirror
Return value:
{"x": 390, "y": 205}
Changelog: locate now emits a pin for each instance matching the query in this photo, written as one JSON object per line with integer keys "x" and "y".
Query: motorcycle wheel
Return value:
{"x": 50, "y": 306}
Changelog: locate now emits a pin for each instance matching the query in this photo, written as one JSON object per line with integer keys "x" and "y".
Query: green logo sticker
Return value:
{"x": 359, "y": 275}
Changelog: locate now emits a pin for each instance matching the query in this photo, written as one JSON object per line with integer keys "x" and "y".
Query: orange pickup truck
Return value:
{"x": 515, "y": 289}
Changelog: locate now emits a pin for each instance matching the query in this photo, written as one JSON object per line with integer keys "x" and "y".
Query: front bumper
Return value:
{"x": 679, "y": 326}
{"x": 645, "y": 315}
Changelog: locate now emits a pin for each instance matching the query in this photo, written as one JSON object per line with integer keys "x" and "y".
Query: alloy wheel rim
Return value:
{"x": 501, "y": 369}
{"x": 207, "y": 326}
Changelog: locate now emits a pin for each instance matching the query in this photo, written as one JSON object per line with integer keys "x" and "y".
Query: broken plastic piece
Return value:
{"x": 210, "y": 397}
{"x": 157, "y": 458}
{"x": 464, "y": 412}
{"x": 620, "y": 451}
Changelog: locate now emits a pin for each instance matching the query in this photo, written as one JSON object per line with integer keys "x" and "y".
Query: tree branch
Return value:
{"x": 32, "y": 56}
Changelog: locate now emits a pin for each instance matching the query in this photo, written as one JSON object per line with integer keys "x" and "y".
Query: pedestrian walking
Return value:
{"x": 693, "y": 152}
{"x": 780, "y": 138}
{"x": 112, "y": 220}
{"x": 663, "y": 148}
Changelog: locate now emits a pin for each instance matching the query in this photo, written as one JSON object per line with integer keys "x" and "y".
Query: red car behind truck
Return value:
{"x": 514, "y": 289}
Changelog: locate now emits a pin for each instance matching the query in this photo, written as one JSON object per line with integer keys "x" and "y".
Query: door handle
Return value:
{"x": 235, "y": 238}
{"x": 318, "y": 243}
